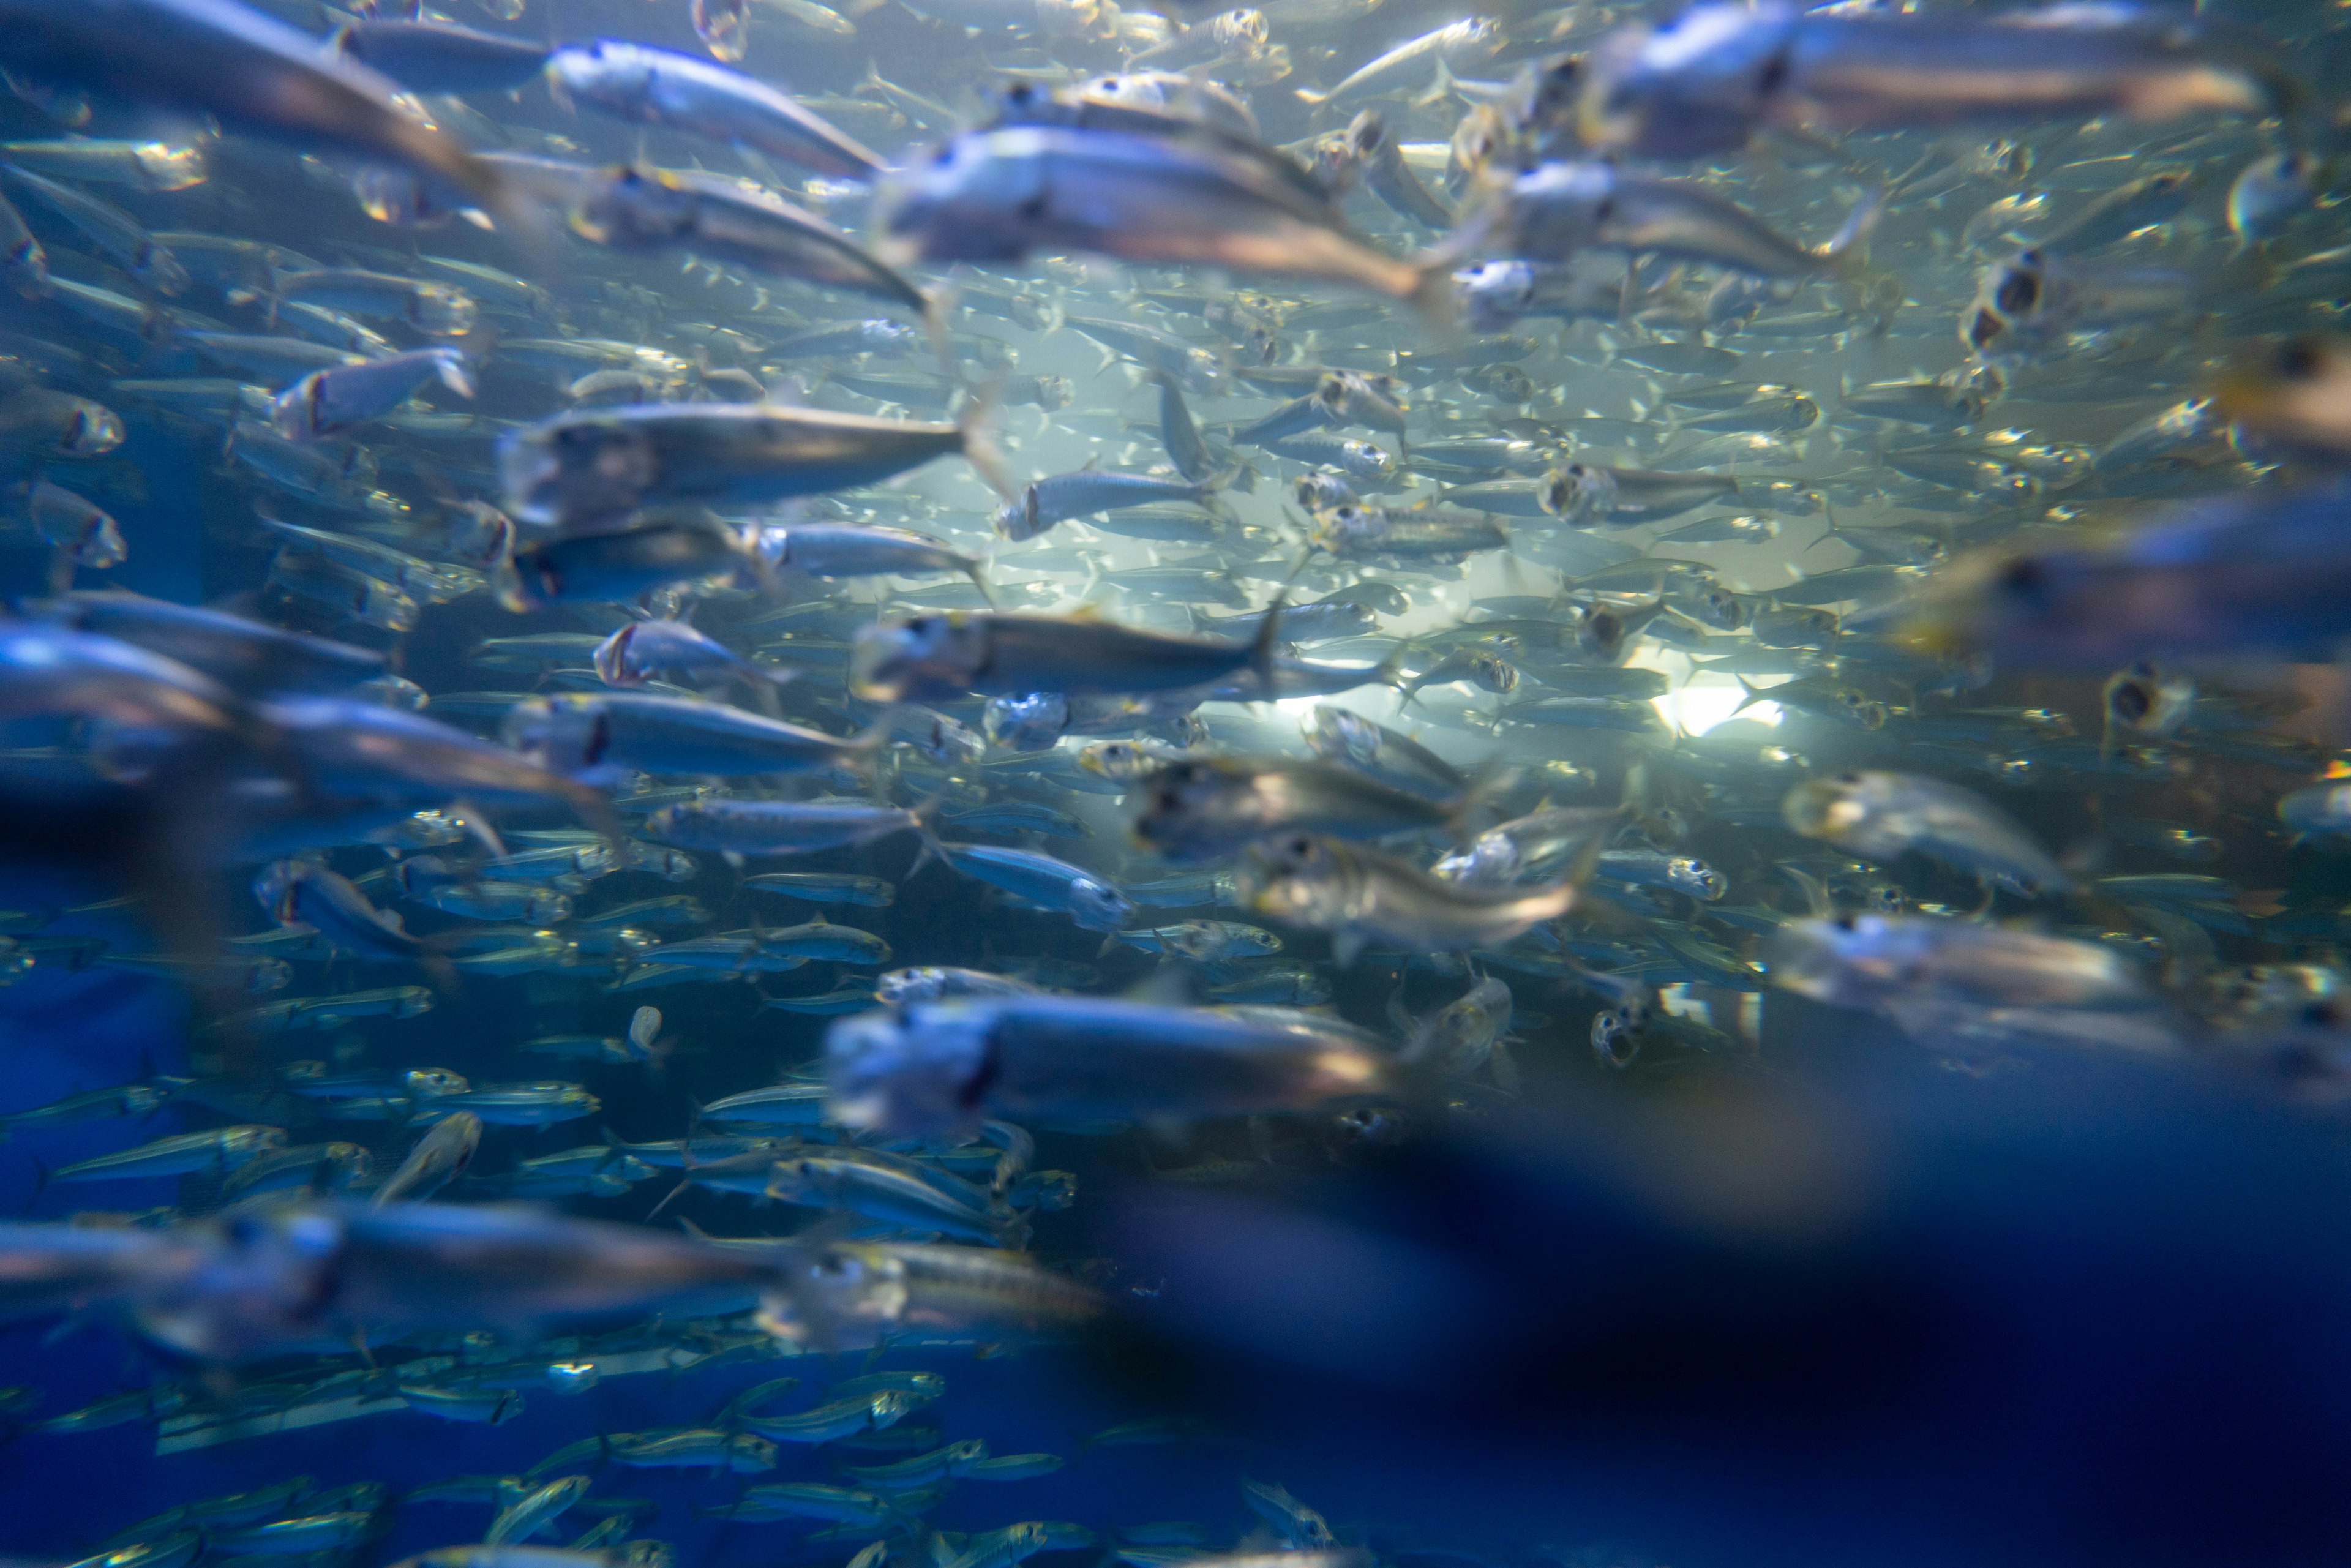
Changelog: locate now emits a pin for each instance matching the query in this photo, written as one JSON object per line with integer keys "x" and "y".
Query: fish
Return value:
{"x": 1144, "y": 200}
{"x": 1455, "y": 41}
{"x": 934, "y": 1067}
{"x": 579, "y": 467}
{"x": 927, "y": 658}
{"x": 441, "y": 1156}
{"x": 1041, "y": 881}
{"x": 656, "y": 87}
{"x": 1558, "y": 210}
{"x": 1208, "y": 809}
{"x": 1672, "y": 92}
{"x": 211, "y": 56}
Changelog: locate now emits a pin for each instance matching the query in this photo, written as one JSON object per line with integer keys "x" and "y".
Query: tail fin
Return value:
{"x": 934, "y": 848}
{"x": 979, "y": 448}
{"x": 1848, "y": 253}
{"x": 1432, "y": 295}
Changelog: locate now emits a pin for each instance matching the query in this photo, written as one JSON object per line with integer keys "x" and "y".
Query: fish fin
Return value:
{"x": 454, "y": 373}
{"x": 1313, "y": 99}
{"x": 1815, "y": 892}
{"x": 1441, "y": 82}
{"x": 1262, "y": 647}
{"x": 1345, "y": 948}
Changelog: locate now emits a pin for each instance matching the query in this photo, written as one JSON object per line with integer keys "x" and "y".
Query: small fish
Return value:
{"x": 654, "y": 87}
{"x": 1692, "y": 88}
{"x": 1882, "y": 815}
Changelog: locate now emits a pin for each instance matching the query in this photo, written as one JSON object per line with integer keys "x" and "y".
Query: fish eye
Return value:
{"x": 2299, "y": 360}
{"x": 2025, "y": 578}
{"x": 2131, "y": 701}
{"x": 1772, "y": 77}
{"x": 1849, "y": 780}
{"x": 2018, "y": 291}
{"x": 1846, "y": 922}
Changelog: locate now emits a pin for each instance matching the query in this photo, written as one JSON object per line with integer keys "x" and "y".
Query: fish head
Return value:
{"x": 1698, "y": 879}
{"x": 1298, "y": 879}
{"x": 577, "y": 466}
{"x": 95, "y": 542}
{"x": 804, "y": 1181}
{"x": 1618, "y": 1032}
{"x": 1833, "y": 809}
{"x": 1600, "y": 634}
{"x": 613, "y": 666}
{"x": 1097, "y": 905}
{"x": 922, "y": 657}
{"x": 2143, "y": 700}
{"x": 1192, "y": 807}
{"x": 1250, "y": 940}
{"x": 1579, "y": 492}
{"x": 1846, "y": 959}
{"x": 828, "y": 1292}
{"x": 569, "y": 733}
{"x": 90, "y": 430}
{"x": 922, "y": 1070}
{"x": 1322, "y": 491}
{"x": 1033, "y": 722}
{"x": 1722, "y": 610}
{"x": 1113, "y": 760}
{"x": 2046, "y": 603}
{"x": 605, "y": 71}
{"x": 1340, "y": 734}
{"x": 748, "y": 1454}
{"x": 1699, "y": 84}
{"x": 1494, "y": 673}
{"x": 1055, "y": 392}
{"x": 2012, "y": 304}
{"x": 166, "y": 167}
{"x": 981, "y": 196}
{"x": 2297, "y": 389}
{"x": 273, "y": 889}
{"x": 1338, "y": 529}
{"x": 1018, "y": 518}
{"x": 1242, "y": 31}
{"x": 574, "y": 1377}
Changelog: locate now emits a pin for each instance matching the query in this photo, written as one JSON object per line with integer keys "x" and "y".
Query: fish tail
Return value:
{"x": 934, "y": 848}
{"x": 454, "y": 374}
{"x": 979, "y": 446}
{"x": 1493, "y": 781}
{"x": 1847, "y": 252}
{"x": 1432, "y": 295}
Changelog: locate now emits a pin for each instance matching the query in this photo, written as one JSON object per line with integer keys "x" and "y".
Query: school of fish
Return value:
{"x": 935, "y": 590}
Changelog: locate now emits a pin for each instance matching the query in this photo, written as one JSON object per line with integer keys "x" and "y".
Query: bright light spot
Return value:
{"x": 1706, "y": 702}
{"x": 1698, "y": 701}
